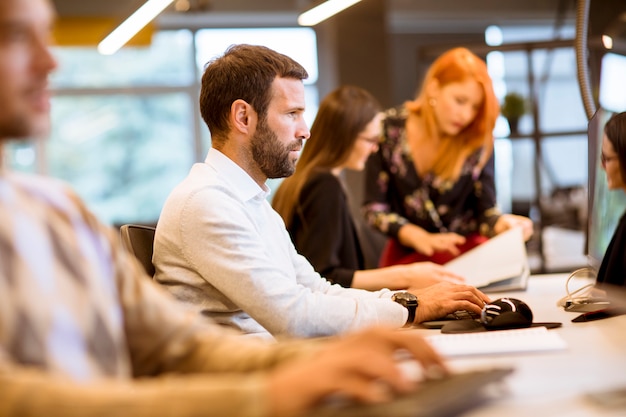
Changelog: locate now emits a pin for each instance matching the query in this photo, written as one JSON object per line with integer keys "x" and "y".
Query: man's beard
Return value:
{"x": 271, "y": 156}
{"x": 24, "y": 128}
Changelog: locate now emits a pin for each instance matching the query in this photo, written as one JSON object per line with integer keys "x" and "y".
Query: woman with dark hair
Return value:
{"x": 613, "y": 158}
{"x": 314, "y": 205}
{"x": 430, "y": 187}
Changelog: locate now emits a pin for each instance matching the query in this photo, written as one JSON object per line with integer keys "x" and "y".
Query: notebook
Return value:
{"x": 499, "y": 264}
{"x": 528, "y": 340}
{"x": 450, "y": 396}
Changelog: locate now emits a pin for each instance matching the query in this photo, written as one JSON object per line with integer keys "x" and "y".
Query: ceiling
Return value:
{"x": 422, "y": 16}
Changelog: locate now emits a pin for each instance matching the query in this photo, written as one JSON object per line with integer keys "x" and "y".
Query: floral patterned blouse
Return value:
{"x": 395, "y": 194}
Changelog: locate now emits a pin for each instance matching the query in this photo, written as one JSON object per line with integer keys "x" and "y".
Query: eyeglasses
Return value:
{"x": 606, "y": 159}
{"x": 372, "y": 141}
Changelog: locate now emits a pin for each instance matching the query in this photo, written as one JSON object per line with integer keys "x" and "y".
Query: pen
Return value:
{"x": 599, "y": 314}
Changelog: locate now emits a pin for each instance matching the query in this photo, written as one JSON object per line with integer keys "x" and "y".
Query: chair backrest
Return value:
{"x": 139, "y": 239}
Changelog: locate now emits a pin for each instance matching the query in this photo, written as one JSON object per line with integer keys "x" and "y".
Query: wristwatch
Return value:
{"x": 409, "y": 301}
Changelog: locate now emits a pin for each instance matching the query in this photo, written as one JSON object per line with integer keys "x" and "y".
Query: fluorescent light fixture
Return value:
{"x": 129, "y": 28}
{"x": 324, "y": 11}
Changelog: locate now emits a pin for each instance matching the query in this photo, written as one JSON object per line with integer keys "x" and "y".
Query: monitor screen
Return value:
{"x": 605, "y": 207}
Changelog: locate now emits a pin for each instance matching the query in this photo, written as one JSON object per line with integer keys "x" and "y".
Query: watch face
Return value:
{"x": 405, "y": 296}
{"x": 409, "y": 301}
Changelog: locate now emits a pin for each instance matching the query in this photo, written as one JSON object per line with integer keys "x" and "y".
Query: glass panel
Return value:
{"x": 514, "y": 34}
{"x": 123, "y": 154}
{"x": 555, "y": 63}
{"x": 561, "y": 114}
{"x": 560, "y": 103}
{"x": 561, "y": 107}
{"x": 167, "y": 61}
{"x": 565, "y": 160}
{"x": 523, "y": 173}
{"x": 516, "y": 67}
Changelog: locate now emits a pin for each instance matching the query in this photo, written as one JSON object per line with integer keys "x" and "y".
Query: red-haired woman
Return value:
{"x": 314, "y": 205}
{"x": 430, "y": 187}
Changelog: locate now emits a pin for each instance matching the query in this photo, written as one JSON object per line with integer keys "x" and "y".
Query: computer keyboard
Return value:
{"x": 448, "y": 396}
{"x": 457, "y": 315}
{"x": 464, "y": 315}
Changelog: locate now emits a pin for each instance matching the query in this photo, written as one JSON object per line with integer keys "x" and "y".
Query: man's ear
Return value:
{"x": 242, "y": 116}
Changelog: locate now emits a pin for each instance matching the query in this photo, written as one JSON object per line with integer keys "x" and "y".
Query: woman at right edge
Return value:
{"x": 613, "y": 267}
{"x": 430, "y": 186}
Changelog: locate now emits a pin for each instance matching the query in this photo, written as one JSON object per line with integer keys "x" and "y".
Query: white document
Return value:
{"x": 532, "y": 339}
{"x": 499, "y": 264}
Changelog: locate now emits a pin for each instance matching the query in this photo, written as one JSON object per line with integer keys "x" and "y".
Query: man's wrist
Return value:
{"x": 408, "y": 301}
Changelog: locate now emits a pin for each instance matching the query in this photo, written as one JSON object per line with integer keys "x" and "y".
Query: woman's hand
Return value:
{"x": 420, "y": 275}
{"x": 428, "y": 243}
{"x": 509, "y": 221}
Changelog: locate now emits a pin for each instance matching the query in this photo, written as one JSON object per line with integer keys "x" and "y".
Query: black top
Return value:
{"x": 613, "y": 266}
{"x": 324, "y": 232}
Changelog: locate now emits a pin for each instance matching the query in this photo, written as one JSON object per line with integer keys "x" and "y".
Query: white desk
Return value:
{"x": 556, "y": 383}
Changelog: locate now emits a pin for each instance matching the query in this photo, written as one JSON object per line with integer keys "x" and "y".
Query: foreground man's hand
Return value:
{"x": 361, "y": 366}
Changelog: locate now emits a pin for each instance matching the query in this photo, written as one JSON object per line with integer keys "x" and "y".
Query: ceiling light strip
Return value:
{"x": 129, "y": 28}
{"x": 324, "y": 11}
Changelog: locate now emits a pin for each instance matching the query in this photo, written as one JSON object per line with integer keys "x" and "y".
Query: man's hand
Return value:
{"x": 362, "y": 366}
{"x": 444, "y": 298}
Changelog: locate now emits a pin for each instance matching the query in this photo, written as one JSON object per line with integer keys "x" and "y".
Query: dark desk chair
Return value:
{"x": 138, "y": 239}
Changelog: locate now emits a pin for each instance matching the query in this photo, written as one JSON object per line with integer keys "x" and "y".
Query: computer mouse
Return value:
{"x": 506, "y": 313}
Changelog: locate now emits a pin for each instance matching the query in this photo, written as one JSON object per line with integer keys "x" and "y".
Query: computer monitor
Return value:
{"x": 605, "y": 207}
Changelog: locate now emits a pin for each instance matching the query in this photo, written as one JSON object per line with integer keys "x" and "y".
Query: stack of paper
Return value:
{"x": 499, "y": 264}
{"x": 532, "y": 339}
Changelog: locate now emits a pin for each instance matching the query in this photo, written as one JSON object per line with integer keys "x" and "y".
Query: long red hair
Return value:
{"x": 457, "y": 65}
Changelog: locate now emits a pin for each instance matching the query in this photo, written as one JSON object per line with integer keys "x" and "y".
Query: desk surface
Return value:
{"x": 556, "y": 383}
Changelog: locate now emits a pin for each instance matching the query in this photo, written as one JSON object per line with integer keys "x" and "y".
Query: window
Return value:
{"x": 562, "y": 122}
{"x": 126, "y": 127}
{"x": 122, "y": 152}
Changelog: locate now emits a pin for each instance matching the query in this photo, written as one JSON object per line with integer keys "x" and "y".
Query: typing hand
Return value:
{"x": 362, "y": 366}
{"x": 444, "y": 298}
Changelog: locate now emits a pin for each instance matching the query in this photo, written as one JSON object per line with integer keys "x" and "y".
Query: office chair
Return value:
{"x": 138, "y": 239}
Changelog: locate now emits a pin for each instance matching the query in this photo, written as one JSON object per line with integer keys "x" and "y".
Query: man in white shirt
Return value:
{"x": 222, "y": 249}
{"x": 84, "y": 332}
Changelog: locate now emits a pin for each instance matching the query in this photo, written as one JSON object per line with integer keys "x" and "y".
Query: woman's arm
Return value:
{"x": 399, "y": 277}
{"x": 491, "y": 221}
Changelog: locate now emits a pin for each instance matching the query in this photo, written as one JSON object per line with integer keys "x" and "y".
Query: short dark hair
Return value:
{"x": 244, "y": 72}
{"x": 615, "y": 131}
